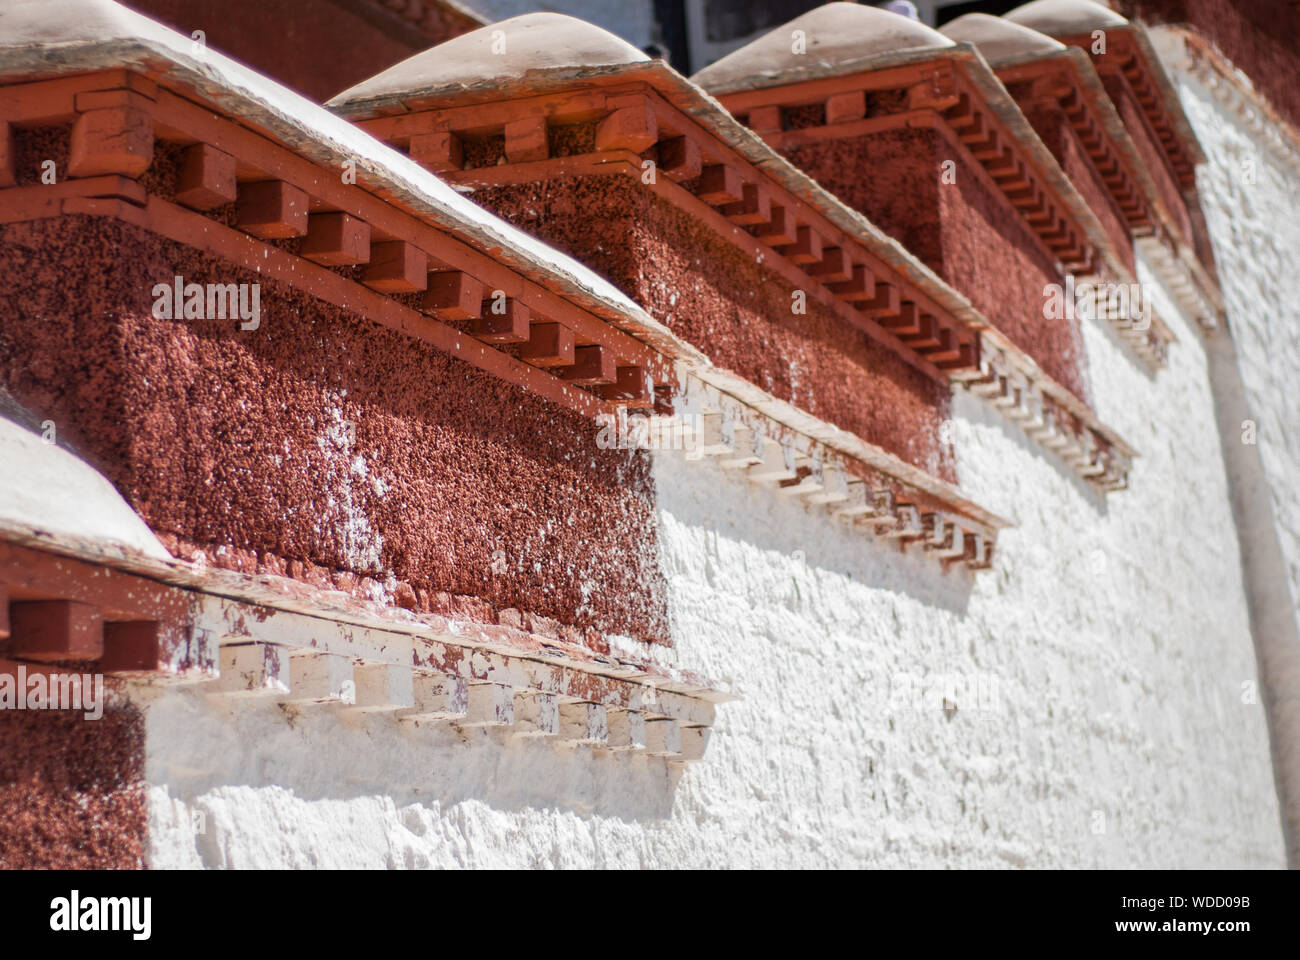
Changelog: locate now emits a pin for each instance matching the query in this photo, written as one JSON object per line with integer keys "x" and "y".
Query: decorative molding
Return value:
{"x": 768, "y": 453}
{"x": 1234, "y": 91}
{"x": 1130, "y": 59}
{"x": 303, "y": 200}
{"x": 709, "y": 179}
{"x": 451, "y": 277}
{"x": 1051, "y": 415}
{"x": 239, "y": 637}
{"x": 1069, "y": 81}
{"x": 750, "y": 199}
{"x": 956, "y": 95}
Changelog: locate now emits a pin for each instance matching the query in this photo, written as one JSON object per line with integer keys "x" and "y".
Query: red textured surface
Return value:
{"x": 285, "y": 39}
{"x": 1055, "y": 132}
{"x": 71, "y": 790}
{"x": 1152, "y": 155}
{"x": 963, "y": 231}
{"x": 1260, "y": 37}
{"x": 460, "y": 493}
{"x": 712, "y": 295}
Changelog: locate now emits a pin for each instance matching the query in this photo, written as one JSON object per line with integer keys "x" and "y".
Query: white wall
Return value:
{"x": 1115, "y": 634}
{"x": 1097, "y": 674}
{"x": 1103, "y": 673}
{"x": 1253, "y": 214}
{"x": 1252, "y": 208}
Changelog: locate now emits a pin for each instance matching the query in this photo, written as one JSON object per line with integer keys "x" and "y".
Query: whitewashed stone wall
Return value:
{"x": 1094, "y": 683}
{"x": 1112, "y": 638}
{"x": 1250, "y": 190}
{"x": 1090, "y": 702}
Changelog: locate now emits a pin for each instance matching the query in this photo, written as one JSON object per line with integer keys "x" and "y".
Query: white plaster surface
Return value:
{"x": 1102, "y": 677}
{"x": 1251, "y": 198}
{"x": 1102, "y": 674}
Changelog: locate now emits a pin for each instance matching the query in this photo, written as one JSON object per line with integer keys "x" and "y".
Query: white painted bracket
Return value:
{"x": 253, "y": 669}
{"x": 438, "y": 698}
{"x": 322, "y": 678}
{"x": 626, "y": 729}
{"x": 584, "y": 723}
{"x": 384, "y": 686}
{"x": 489, "y": 705}
{"x": 536, "y": 714}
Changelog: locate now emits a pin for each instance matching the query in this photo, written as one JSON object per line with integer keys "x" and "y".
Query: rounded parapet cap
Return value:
{"x": 505, "y": 51}
{"x": 833, "y": 38}
{"x": 999, "y": 40}
{"x": 1065, "y": 18}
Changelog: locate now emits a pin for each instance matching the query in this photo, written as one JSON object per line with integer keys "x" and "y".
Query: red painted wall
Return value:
{"x": 1261, "y": 37}
{"x": 715, "y": 297}
{"x": 968, "y": 235}
{"x": 72, "y": 790}
{"x": 230, "y": 442}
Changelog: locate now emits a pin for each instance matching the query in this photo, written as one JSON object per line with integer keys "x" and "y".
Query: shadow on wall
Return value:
{"x": 254, "y": 774}
{"x": 805, "y": 547}
{"x": 972, "y": 413}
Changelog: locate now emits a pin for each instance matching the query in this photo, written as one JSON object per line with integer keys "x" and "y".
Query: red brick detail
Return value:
{"x": 905, "y": 323}
{"x": 1003, "y": 165}
{"x": 834, "y": 266}
{"x": 859, "y": 288}
{"x": 272, "y": 209}
{"x": 131, "y": 646}
{"x": 720, "y": 184}
{"x": 592, "y": 366}
{"x": 755, "y": 207}
{"x": 207, "y": 178}
{"x": 7, "y": 170}
{"x": 397, "y": 267}
{"x": 779, "y": 231}
{"x": 845, "y": 107}
{"x": 884, "y": 303}
{"x": 632, "y": 385}
{"x": 549, "y": 345}
{"x": 679, "y": 159}
{"x": 765, "y": 119}
{"x": 112, "y": 140}
{"x": 49, "y": 630}
{"x": 453, "y": 296}
{"x": 502, "y": 321}
{"x": 807, "y": 247}
{"x": 336, "y": 240}
{"x": 437, "y": 151}
{"x": 632, "y": 127}
{"x": 526, "y": 140}
{"x": 926, "y": 337}
{"x": 936, "y": 93}
{"x": 962, "y": 354}
{"x": 962, "y": 114}
{"x": 988, "y": 151}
